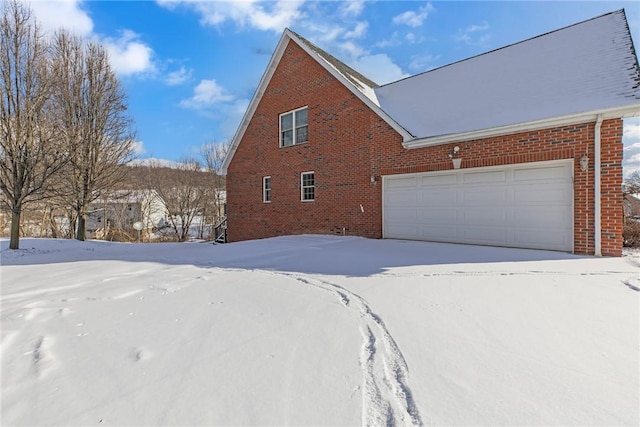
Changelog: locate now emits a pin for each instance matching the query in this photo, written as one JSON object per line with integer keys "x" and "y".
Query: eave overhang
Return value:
{"x": 618, "y": 112}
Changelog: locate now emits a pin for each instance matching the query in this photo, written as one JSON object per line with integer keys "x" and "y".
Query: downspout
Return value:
{"x": 598, "y": 189}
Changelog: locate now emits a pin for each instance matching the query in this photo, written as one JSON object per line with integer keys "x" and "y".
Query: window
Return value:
{"x": 266, "y": 189}
{"x": 293, "y": 127}
{"x": 307, "y": 186}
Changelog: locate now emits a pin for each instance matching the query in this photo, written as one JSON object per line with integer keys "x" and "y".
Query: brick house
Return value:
{"x": 535, "y": 129}
{"x": 632, "y": 206}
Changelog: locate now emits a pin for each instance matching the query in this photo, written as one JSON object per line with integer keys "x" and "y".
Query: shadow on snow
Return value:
{"x": 314, "y": 254}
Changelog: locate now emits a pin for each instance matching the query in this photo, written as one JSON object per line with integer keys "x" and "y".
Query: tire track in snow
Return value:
{"x": 386, "y": 397}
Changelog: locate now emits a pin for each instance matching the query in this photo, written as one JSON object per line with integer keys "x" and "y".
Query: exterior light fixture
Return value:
{"x": 373, "y": 179}
{"x": 584, "y": 162}
{"x": 453, "y": 156}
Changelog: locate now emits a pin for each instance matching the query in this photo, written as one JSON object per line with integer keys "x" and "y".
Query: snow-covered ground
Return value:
{"x": 316, "y": 330}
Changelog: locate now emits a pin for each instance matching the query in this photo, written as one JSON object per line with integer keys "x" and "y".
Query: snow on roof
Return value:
{"x": 359, "y": 81}
{"x": 586, "y": 67}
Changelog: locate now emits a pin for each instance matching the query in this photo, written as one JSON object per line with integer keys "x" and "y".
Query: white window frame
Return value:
{"x": 303, "y": 187}
{"x": 265, "y": 189}
{"x": 294, "y": 128}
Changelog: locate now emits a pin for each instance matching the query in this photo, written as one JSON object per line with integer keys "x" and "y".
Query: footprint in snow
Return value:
{"x": 629, "y": 283}
{"x": 139, "y": 354}
{"x": 41, "y": 356}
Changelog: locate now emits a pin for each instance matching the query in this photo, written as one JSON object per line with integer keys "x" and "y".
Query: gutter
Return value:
{"x": 610, "y": 113}
{"x": 598, "y": 187}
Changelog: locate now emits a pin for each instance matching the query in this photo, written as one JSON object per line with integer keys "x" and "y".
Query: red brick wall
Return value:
{"x": 612, "y": 217}
{"x": 348, "y": 144}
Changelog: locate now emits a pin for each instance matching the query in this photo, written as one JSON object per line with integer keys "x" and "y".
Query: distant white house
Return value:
{"x": 123, "y": 208}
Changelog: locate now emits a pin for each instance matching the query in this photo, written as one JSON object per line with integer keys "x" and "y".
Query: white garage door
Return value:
{"x": 526, "y": 206}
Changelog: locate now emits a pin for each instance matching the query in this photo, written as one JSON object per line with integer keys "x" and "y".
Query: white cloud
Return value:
{"x": 414, "y": 39}
{"x": 469, "y": 36}
{"x": 206, "y": 94}
{"x": 413, "y": 18}
{"x": 322, "y": 33}
{"x": 138, "y": 148}
{"x": 423, "y": 62}
{"x": 631, "y": 142}
{"x": 56, "y": 14}
{"x": 178, "y": 77}
{"x": 352, "y": 49}
{"x": 359, "y": 31}
{"x": 631, "y": 129}
{"x": 169, "y": 4}
{"x": 632, "y": 147}
{"x": 128, "y": 55}
{"x": 379, "y": 68}
{"x": 393, "y": 41}
{"x": 266, "y": 16}
{"x": 351, "y": 8}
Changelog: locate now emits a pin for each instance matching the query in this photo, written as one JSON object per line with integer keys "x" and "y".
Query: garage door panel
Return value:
{"x": 540, "y": 217}
{"x": 490, "y": 216}
{"x": 440, "y": 234}
{"x": 484, "y": 197}
{"x": 439, "y": 180}
{"x": 541, "y": 239}
{"x": 483, "y": 177}
{"x": 403, "y": 215}
{"x": 438, "y": 216}
{"x": 485, "y": 235}
{"x": 437, "y": 197}
{"x": 528, "y": 206}
{"x": 402, "y": 198}
{"x": 546, "y": 174}
{"x": 402, "y": 183}
{"x": 400, "y": 231}
{"x": 548, "y": 195}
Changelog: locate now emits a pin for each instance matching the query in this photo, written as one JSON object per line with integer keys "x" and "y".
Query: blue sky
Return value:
{"x": 190, "y": 67}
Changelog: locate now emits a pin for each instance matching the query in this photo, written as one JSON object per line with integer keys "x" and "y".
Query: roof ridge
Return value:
{"x": 338, "y": 64}
{"x": 619, "y": 11}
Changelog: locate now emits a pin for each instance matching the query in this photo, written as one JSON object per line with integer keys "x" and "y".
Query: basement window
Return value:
{"x": 266, "y": 189}
{"x": 307, "y": 186}
{"x": 294, "y": 127}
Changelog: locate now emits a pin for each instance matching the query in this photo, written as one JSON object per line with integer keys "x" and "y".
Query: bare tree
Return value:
{"x": 632, "y": 183}
{"x": 213, "y": 155}
{"x": 90, "y": 105}
{"x": 29, "y": 152}
{"x": 183, "y": 191}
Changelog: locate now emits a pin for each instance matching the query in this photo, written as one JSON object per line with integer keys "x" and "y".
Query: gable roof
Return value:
{"x": 358, "y": 84}
{"x": 362, "y": 83}
{"x": 571, "y": 75}
{"x": 584, "y": 69}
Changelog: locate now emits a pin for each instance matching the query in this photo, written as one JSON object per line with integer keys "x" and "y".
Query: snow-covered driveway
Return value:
{"x": 316, "y": 330}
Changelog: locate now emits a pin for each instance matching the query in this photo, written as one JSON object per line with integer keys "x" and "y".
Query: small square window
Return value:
{"x": 266, "y": 189}
{"x": 307, "y": 186}
{"x": 294, "y": 127}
